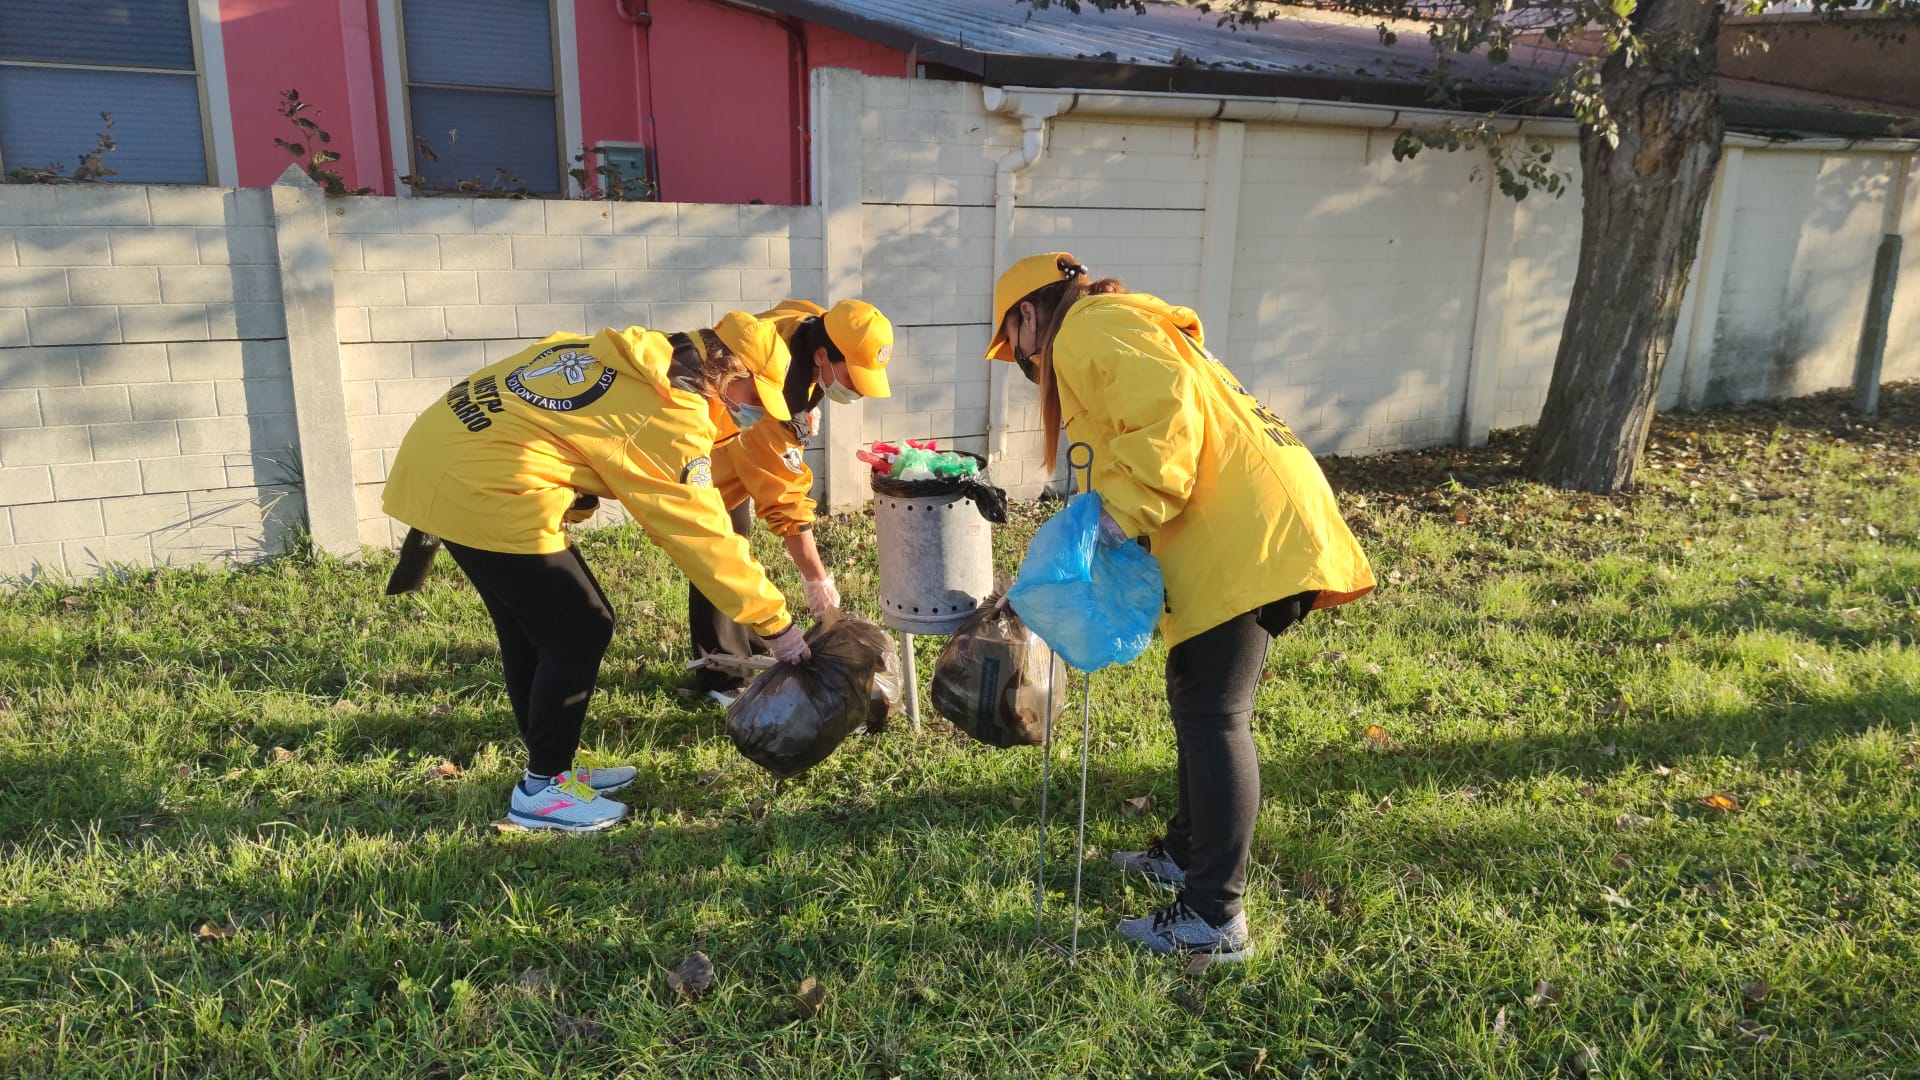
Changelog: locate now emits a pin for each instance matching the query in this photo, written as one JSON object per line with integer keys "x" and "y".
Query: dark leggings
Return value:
{"x": 713, "y": 632}
{"x": 554, "y": 626}
{"x": 1211, "y": 680}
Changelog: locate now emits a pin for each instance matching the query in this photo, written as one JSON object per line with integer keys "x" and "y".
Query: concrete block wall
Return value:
{"x": 1543, "y": 258}
{"x": 428, "y": 290}
{"x": 1805, "y": 231}
{"x": 927, "y": 166}
{"x": 1355, "y": 286}
{"x": 146, "y": 412}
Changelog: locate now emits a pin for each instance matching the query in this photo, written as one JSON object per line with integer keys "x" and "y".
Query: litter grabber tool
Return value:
{"x": 1080, "y": 478}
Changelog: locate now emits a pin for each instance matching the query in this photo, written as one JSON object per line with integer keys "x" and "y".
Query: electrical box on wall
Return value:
{"x": 625, "y": 170}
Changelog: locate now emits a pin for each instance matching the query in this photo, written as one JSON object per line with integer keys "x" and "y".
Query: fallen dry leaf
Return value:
{"x": 209, "y": 932}
{"x": 693, "y": 976}
{"x": 1374, "y": 669}
{"x": 1413, "y": 875}
{"x": 1587, "y": 790}
{"x": 1662, "y": 771}
{"x": 1466, "y": 794}
{"x": 1753, "y": 1031}
{"x": 1137, "y": 807}
{"x": 1587, "y": 1062}
{"x": 1500, "y": 1022}
{"x": 1723, "y": 802}
{"x": 441, "y": 709}
{"x": 446, "y": 770}
{"x": 1802, "y": 862}
{"x": 281, "y": 753}
{"x": 1755, "y": 991}
{"x": 1631, "y": 820}
{"x": 1621, "y": 861}
{"x": 1377, "y": 735}
{"x": 507, "y": 825}
{"x": 1618, "y": 707}
{"x": 183, "y": 771}
{"x": 536, "y": 981}
{"x": 1199, "y": 964}
{"x": 811, "y": 996}
{"x": 1385, "y": 804}
{"x": 1544, "y": 993}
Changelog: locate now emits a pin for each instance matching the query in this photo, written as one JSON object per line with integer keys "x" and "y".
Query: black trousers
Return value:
{"x": 554, "y": 626}
{"x": 712, "y": 632}
{"x": 1211, "y": 681}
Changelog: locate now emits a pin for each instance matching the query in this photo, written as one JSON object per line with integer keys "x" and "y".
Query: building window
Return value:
{"x": 481, "y": 93}
{"x": 63, "y": 64}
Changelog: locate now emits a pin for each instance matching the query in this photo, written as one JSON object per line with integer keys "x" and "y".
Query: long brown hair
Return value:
{"x": 702, "y": 364}
{"x": 1051, "y": 302}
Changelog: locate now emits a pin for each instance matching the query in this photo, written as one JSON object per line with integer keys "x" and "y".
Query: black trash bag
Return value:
{"x": 793, "y": 715}
{"x": 993, "y": 679}
{"x": 416, "y": 559}
{"x": 989, "y": 500}
{"x": 883, "y": 704}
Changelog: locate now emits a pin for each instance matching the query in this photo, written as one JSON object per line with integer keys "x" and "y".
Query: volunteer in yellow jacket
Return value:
{"x": 495, "y": 467}
{"x": 1242, "y": 522}
{"x": 839, "y": 354}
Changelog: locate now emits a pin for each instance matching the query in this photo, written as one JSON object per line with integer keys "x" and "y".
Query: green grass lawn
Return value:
{"x": 1485, "y": 848}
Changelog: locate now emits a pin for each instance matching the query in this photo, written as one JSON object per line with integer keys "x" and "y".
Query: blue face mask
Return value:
{"x": 745, "y": 416}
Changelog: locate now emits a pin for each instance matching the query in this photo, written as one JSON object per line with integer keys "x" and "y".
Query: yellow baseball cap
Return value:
{"x": 1021, "y": 278}
{"x": 865, "y": 338}
{"x": 758, "y": 345}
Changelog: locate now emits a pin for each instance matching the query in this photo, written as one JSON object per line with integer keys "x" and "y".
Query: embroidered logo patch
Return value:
{"x": 880, "y": 358}
{"x": 561, "y": 379}
{"x": 794, "y": 461}
{"x": 698, "y": 473}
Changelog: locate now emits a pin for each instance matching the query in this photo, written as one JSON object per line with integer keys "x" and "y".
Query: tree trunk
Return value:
{"x": 1640, "y": 221}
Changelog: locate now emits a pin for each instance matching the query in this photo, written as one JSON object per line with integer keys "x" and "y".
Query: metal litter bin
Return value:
{"x": 936, "y": 561}
{"x": 936, "y": 564}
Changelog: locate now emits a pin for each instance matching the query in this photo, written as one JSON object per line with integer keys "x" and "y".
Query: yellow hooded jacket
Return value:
{"x": 1232, "y": 505}
{"x": 764, "y": 463}
{"x": 497, "y": 461}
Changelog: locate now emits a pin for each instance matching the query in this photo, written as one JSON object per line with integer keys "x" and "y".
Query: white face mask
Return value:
{"x": 835, "y": 390}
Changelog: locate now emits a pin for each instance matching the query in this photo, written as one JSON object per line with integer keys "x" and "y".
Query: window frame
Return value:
{"x": 207, "y": 156}
{"x": 558, "y": 94}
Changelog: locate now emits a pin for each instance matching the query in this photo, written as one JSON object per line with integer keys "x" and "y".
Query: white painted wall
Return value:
{"x": 146, "y": 413}
{"x": 145, "y": 409}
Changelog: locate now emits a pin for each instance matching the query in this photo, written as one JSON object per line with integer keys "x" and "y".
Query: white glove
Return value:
{"x": 788, "y": 646}
{"x": 822, "y": 596}
{"x": 1111, "y": 535}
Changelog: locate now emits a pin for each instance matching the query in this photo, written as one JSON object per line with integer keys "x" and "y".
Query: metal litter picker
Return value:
{"x": 1079, "y": 479}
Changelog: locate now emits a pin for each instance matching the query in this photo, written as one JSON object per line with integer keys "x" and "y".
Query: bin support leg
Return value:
{"x": 913, "y": 679}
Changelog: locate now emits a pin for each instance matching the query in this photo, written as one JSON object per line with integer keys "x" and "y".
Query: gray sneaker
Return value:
{"x": 1177, "y": 928}
{"x": 1155, "y": 864}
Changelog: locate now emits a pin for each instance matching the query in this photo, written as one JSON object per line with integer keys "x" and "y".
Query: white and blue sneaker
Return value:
{"x": 565, "y": 803}
{"x": 1178, "y": 928}
{"x": 1155, "y": 864}
{"x": 607, "y": 779}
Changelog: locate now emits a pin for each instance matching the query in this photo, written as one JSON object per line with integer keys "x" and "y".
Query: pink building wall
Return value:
{"x": 329, "y": 51}
{"x": 718, "y": 92}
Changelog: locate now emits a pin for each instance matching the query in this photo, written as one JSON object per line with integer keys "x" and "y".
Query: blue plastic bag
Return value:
{"x": 1094, "y": 605}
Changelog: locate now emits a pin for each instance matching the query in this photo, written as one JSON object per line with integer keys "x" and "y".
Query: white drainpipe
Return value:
{"x": 1034, "y": 108}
